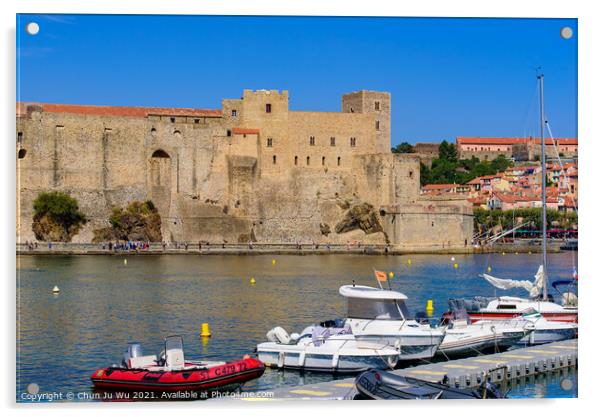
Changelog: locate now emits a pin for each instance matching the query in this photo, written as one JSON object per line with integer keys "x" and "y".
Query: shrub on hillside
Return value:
{"x": 137, "y": 221}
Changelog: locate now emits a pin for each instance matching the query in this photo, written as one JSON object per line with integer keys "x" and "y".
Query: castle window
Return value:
{"x": 177, "y": 133}
{"x": 312, "y": 141}
{"x": 269, "y": 144}
{"x": 153, "y": 131}
{"x": 172, "y": 119}
{"x": 352, "y": 142}
{"x": 19, "y": 137}
{"x": 233, "y": 113}
{"x": 351, "y": 109}
{"x": 411, "y": 174}
{"x": 274, "y": 159}
{"x": 338, "y": 160}
{"x": 377, "y": 105}
{"x": 22, "y": 153}
{"x": 323, "y": 160}
{"x": 307, "y": 161}
{"x": 377, "y": 125}
{"x": 332, "y": 141}
{"x": 268, "y": 108}
{"x": 228, "y": 132}
{"x": 197, "y": 121}
{"x": 296, "y": 160}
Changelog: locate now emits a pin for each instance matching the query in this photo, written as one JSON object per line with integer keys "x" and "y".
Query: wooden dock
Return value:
{"x": 462, "y": 373}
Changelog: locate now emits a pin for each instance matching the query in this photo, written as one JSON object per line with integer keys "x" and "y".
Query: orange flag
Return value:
{"x": 380, "y": 276}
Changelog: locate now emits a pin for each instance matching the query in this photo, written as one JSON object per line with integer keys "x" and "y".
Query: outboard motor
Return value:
{"x": 134, "y": 350}
{"x": 279, "y": 335}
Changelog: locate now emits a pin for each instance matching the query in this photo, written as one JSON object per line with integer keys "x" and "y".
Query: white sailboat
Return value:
{"x": 502, "y": 308}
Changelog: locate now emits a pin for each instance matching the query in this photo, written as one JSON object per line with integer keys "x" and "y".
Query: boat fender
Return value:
{"x": 301, "y": 360}
{"x": 278, "y": 335}
{"x": 335, "y": 361}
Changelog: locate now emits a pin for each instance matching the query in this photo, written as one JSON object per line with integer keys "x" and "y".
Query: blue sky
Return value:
{"x": 447, "y": 77}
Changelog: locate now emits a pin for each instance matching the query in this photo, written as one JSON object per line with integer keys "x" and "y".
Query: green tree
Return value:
{"x": 403, "y": 147}
{"x": 56, "y": 217}
{"x": 448, "y": 151}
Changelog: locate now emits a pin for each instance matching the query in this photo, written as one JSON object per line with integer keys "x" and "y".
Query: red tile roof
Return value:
{"x": 438, "y": 186}
{"x": 245, "y": 131}
{"x": 121, "y": 111}
{"x": 511, "y": 141}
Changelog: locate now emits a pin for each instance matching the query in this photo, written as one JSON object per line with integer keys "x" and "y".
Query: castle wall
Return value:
{"x": 213, "y": 176}
{"x": 430, "y": 224}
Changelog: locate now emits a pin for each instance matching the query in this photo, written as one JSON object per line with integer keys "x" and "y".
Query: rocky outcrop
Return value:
{"x": 138, "y": 222}
{"x": 46, "y": 229}
{"x": 360, "y": 216}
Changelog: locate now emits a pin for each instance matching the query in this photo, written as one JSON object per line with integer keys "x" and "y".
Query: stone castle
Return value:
{"x": 252, "y": 171}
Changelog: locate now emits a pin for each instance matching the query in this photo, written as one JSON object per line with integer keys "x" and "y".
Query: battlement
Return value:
{"x": 247, "y": 93}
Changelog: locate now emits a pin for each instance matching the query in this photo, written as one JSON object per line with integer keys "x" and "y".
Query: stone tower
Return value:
{"x": 377, "y": 103}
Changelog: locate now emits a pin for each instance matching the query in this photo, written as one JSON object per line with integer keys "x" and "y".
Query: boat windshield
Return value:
{"x": 361, "y": 308}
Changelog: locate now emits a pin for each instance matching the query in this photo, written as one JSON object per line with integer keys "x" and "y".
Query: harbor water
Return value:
{"x": 106, "y": 302}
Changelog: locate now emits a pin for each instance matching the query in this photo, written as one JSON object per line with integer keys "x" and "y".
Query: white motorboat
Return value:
{"x": 463, "y": 338}
{"x": 376, "y": 333}
{"x": 380, "y": 317}
{"x": 545, "y": 331}
{"x": 317, "y": 348}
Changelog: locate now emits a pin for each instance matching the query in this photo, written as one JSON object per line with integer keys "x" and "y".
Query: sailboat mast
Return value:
{"x": 544, "y": 237}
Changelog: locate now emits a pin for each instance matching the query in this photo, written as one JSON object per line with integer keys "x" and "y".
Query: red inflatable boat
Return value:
{"x": 170, "y": 373}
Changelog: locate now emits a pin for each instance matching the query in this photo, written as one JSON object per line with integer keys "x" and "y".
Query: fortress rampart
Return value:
{"x": 251, "y": 171}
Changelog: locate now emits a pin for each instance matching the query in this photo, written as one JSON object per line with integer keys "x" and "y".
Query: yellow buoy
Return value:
{"x": 252, "y": 281}
{"x": 56, "y": 290}
{"x": 456, "y": 265}
{"x": 516, "y": 253}
{"x": 409, "y": 262}
{"x": 205, "y": 331}
{"x": 125, "y": 261}
{"x": 488, "y": 269}
{"x": 273, "y": 261}
{"x": 529, "y": 252}
{"x": 391, "y": 274}
{"x": 429, "y": 308}
{"x": 503, "y": 253}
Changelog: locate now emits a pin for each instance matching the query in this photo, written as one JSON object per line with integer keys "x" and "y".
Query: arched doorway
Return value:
{"x": 160, "y": 181}
{"x": 160, "y": 168}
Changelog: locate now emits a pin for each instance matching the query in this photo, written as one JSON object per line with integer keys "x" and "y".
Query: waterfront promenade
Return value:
{"x": 525, "y": 246}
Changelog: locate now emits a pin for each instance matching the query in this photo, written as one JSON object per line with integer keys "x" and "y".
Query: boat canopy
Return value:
{"x": 370, "y": 293}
